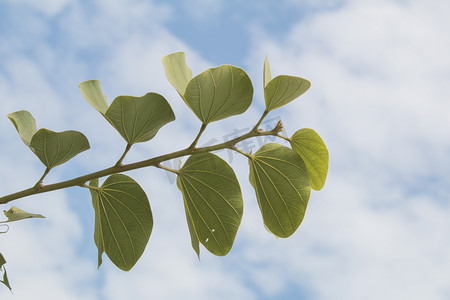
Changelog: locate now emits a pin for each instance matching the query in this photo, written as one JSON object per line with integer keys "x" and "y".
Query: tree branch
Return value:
{"x": 155, "y": 161}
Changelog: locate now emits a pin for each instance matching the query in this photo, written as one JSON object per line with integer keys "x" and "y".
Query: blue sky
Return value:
{"x": 380, "y": 229}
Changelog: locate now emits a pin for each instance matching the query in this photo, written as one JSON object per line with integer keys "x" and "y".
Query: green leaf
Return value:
{"x": 55, "y": 148}
{"x": 25, "y": 125}
{"x": 123, "y": 220}
{"x": 311, "y": 148}
{"x": 92, "y": 92}
{"x": 177, "y": 71}
{"x": 218, "y": 93}
{"x": 138, "y": 119}
{"x": 212, "y": 200}
{"x": 283, "y": 89}
{"x": 282, "y": 187}
{"x": 267, "y": 76}
{"x": 5, "y": 280}
{"x": 16, "y": 214}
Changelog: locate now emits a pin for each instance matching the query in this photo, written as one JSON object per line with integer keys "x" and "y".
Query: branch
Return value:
{"x": 155, "y": 161}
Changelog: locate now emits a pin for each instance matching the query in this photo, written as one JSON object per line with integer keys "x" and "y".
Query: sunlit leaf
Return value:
{"x": 15, "y": 214}
{"x": 213, "y": 202}
{"x": 55, "y": 148}
{"x": 92, "y": 92}
{"x": 177, "y": 71}
{"x": 283, "y": 89}
{"x": 5, "y": 280}
{"x": 123, "y": 220}
{"x": 282, "y": 188}
{"x": 25, "y": 125}
{"x": 138, "y": 119}
{"x": 267, "y": 76}
{"x": 218, "y": 93}
{"x": 311, "y": 148}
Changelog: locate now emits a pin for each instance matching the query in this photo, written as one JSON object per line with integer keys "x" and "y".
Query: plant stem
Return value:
{"x": 155, "y": 161}
{"x": 283, "y": 137}
{"x": 38, "y": 184}
{"x": 167, "y": 169}
{"x": 198, "y": 136}
{"x": 90, "y": 187}
{"x": 119, "y": 162}
{"x": 241, "y": 152}
{"x": 260, "y": 120}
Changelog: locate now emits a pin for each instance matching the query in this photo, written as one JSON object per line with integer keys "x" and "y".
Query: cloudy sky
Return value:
{"x": 380, "y": 229}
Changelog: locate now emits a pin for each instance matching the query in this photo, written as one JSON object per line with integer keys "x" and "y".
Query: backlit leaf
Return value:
{"x": 123, "y": 220}
{"x": 16, "y": 214}
{"x": 218, "y": 93}
{"x": 25, "y": 125}
{"x": 213, "y": 202}
{"x": 267, "y": 76}
{"x": 282, "y": 188}
{"x": 138, "y": 119}
{"x": 92, "y": 92}
{"x": 55, "y": 148}
{"x": 283, "y": 89}
{"x": 311, "y": 148}
{"x": 177, "y": 71}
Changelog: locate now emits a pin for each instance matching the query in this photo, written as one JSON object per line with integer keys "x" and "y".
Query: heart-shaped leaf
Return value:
{"x": 218, "y": 93}
{"x": 282, "y": 187}
{"x": 25, "y": 125}
{"x": 138, "y": 119}
{"x": 212, "y": 200}
{"x": 177, "y": 71}
{"x": 282, "y": 89}
{"x": 92, "y": 92}
{"x": 123, "y": 220}
{"x": 16, "y": 214}
{"x": 55, "y": 148}
{"x": 311, "y": 148}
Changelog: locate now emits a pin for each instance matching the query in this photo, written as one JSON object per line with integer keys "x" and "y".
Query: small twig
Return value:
{"x": 90, "y": 187}
{"x": 127, "y": 148}
{"x": 240, "y": 151}
{"x": 38, "y": 184}
{"x": 194, "y": 143}
{"x": 260, "y": 121}
{"x": 167, "y": 169}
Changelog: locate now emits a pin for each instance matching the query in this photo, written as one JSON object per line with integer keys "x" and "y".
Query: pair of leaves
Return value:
{"x": 123, "y": 220}
{"x": 213, "y": 202}
{"x": 282, "y": 89}
{"x": 52, "y": 148}
{"x": 137, "y": 119}
{"x": 214, "y": 94}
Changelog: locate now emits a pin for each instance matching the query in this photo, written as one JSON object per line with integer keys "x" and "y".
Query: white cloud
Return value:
{"x": 48, "y": 7}
{"x": 201, "y": 11}
{"x": 378, "y": 230}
